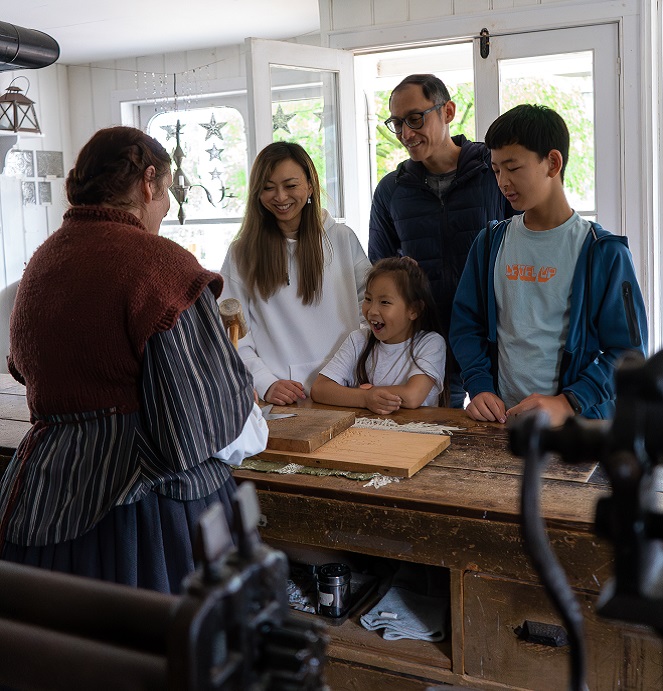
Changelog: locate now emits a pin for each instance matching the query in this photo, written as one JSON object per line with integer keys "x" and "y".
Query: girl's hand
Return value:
{"x": 379, "y": 400}
{"x": 284, "y": 392}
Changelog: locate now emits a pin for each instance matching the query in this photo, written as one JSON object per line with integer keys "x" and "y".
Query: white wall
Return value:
{"x": 24, "y": 228}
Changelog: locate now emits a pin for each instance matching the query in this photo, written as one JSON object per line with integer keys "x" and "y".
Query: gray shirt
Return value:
{"x": 533, "y": 277}
{"x": 440, "y": 183}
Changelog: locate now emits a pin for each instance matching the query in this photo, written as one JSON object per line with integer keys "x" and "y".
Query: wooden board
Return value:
{"x": 369, "y": 450}
{"x": 308, "y": 431}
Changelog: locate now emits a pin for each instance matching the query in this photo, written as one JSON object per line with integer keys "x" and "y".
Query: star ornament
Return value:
{"x": 214, "y": 152}
{"x": 280, "y": 120}
{"x": 170, "y": 130}
{"x": 213, "y": 128}
{"x": 215, "y": 174}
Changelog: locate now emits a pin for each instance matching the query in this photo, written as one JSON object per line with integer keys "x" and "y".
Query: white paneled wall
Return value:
{"x": 24, "y": 227}
{"x": 344, "y": 15}
{"x": 95, "y": 89}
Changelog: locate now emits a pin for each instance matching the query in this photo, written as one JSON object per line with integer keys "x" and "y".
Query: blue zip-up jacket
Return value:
{"x": 607, "y": 319}
{"x": 407, "y": 218}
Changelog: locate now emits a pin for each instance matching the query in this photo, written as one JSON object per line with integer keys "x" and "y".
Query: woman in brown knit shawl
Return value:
{"x": 136, "y": 396}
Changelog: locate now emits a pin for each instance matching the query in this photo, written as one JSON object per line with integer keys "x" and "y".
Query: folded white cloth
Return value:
{"x": 406, "y": 614}
{"x": 252, "y": 440}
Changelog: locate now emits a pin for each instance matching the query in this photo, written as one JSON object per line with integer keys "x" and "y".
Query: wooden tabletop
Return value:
{"x": 14, "y": 414}
{"x": 476, "y": 476}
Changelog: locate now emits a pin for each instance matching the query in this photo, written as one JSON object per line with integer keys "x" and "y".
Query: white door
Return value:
{"x": 575, "y": 71}
{"x": 305, "y": 94}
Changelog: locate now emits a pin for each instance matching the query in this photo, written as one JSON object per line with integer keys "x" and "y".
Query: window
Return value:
{"x": 304, "y": 110}
{"x": 565, "y": 83}
{"x": 213, "y": 139}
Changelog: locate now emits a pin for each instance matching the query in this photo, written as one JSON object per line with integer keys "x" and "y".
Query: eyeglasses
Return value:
{"x": 415, "y": 121}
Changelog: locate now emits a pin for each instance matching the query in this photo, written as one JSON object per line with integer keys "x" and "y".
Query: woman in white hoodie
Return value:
{"x": 298, "y": 274}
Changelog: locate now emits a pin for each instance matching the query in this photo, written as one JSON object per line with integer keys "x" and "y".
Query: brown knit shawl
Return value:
{"x": 89, "y": 299}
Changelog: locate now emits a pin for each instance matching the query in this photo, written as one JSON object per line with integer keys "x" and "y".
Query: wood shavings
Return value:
{"x": 378, "y": 481}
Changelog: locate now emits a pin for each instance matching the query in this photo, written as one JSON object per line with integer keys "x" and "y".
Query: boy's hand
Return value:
{"x": 284, "y": 392}
{"x": 558, "y": 407}
{"x": 487, "y": 407}
{"x": 379, "y": 400}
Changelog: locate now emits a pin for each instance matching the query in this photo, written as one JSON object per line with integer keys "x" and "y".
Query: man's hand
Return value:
{"x": 487, "y": 407}
{"x": 558, "y": 407}
{"x": 284, "y": 392}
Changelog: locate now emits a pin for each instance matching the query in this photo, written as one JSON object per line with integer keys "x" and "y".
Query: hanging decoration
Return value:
{"x": 280, "y": 120}
{"x": 170, "y": 130}
{"x": 181, "y": 184}
{"x": 213, "y": 128}
{"x": 214, "y": 152}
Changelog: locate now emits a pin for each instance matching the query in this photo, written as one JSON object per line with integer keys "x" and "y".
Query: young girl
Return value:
{"x": 298, "y": 274}
{"x": 400, "y": 362}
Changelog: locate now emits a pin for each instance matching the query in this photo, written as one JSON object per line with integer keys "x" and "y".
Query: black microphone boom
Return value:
{"x": 22, "y": 48}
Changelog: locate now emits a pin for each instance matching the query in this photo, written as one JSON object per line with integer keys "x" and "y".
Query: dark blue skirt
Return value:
{"x": 147, "y": 544}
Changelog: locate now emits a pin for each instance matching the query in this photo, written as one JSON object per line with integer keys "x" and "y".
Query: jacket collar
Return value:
{"x": 474, "y": 157}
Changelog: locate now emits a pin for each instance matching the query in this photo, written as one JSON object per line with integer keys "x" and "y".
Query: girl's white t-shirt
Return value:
{"x": 391, "y": 364}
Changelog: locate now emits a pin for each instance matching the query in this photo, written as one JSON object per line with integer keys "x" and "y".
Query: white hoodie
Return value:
{"x": 287, "y": 339}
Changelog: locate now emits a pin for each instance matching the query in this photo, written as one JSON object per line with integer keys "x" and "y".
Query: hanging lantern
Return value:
{"x": 17, "y": 111}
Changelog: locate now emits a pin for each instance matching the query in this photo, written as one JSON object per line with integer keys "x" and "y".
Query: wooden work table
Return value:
{"x": 459, "y": 515}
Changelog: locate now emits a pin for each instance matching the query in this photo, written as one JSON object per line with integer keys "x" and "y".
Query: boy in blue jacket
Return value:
{"x": 548, "y": 302}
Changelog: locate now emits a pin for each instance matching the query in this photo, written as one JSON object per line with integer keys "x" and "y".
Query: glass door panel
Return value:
{"x": 576, "y": 72}
{"x": 305, "y": 111}
{"x": 306, "y": 94}
{"x": 564, "y": 82}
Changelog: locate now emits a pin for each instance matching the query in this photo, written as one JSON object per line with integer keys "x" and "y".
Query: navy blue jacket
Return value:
{"x": 407, "y": 218}
{"x": 607, "y": 319}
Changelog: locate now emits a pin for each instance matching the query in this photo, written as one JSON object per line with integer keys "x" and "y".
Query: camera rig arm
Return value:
{"x": 629, "y": 449}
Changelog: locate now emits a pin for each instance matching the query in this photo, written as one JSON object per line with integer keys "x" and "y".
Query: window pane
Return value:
{"x": 564, "y": 82}
{"x": 215, "y": 161}
{"x": 305, "y": 111}
{"x": 381, "y": 72}
{"x": 209, "y": 242}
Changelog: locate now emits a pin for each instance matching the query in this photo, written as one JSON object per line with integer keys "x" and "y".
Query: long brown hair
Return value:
{"x": 110, "y": 165}
{"x": 260, "y": 248}
{"x": 413, "y": 286}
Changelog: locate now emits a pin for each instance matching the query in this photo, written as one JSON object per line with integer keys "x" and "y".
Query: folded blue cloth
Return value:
{"x": 406, "y": 614}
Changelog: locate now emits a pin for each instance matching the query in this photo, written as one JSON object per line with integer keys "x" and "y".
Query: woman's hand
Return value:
{"x": 284, "y": 392}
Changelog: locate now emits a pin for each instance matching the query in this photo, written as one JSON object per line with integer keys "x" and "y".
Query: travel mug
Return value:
{"x": 334, "y": 593}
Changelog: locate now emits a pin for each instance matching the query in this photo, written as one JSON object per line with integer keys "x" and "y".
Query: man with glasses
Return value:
{"x": 434, "y": 204}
